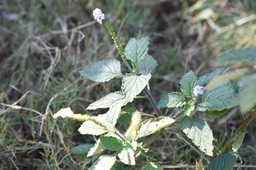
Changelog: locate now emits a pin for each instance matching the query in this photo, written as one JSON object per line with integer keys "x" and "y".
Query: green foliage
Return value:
{"x": 81, "y": 149}
{"x": 224, "y": 162}
{"x": 103, "y": 162}
{"x": 127, "y": 155}
{"x": 199, "y": 132}
{"x": 111, "y": 143}
{"x": 150, "y": 126}
{"x": 147, "y": 65}
{"x": 171, "y": 100}
{"x": 102, "y": 71}
{"x": 136, "y": 50}
{"x": 238, "y": 140}
{"x": 152, "y": 166}
{"x": 187, "y": 84}
{"x": 238, "y": 56}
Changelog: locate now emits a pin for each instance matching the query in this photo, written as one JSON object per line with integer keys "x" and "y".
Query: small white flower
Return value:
{"x": 98, "y": 15}
{"x": 198, "y": 90}
{"x": 65, "y": 112}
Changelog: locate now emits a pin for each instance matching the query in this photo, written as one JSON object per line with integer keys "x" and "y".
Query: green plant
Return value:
{"x": 213, "y": 94}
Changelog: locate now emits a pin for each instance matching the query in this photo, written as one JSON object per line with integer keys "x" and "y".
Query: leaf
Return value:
{"x": 227, "y": 77}
{"x": 224, "y": 162}
{"x": 135, "y": 50}
{"x": 112, "y": 115}
{"x": 238, "y": 56}
{"x": 152, "y": 166}
{"x": 187, "y": 84}
{"x": 205, "y": 79}
{"x": 147, "y": 65}
{"x": 111, "y": 143}
{"x": 199, "y": 132}
{"x": 108, "y": 101}
{"x": 96, "y": 149}
{"x": 132, "y": 85}
{"x": 238, "y": 140}
{"x": 247, "y": 93}
{"x": 171, "y": 100}
{"x": 103, "y": 70}
{"x": 127, "y": 155}
{"x": 224, "y": 97}
{"x": 81, "y": 149}
{"x": 151, "y": 126}
{"x": 216, "y": 114}
{"x": 189, "y": 107}
{"x": 92, "y": 127}
{"x": 103, "y": 162}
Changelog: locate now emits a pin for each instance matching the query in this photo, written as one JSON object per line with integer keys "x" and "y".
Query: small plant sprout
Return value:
{"x": 198, "y": 90}
{"x": 98, "y": 15}
{"x": 64, "y": 112}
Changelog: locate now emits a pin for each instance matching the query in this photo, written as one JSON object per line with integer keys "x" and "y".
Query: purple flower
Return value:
{"x": 98, "y": 15}
{"x": 198, "y": 90}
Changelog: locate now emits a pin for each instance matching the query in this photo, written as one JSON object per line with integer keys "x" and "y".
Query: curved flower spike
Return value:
{"x": 198, "y": 90}
{"x": 98, "y": 15}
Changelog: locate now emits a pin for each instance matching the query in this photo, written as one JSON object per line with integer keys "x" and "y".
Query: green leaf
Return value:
{"x": 147, "y": 65}
{"x": 92, "y": 127}
{"x": 132, "y": 85}
{"x": 127, "y": 155}
{"x": 81, "y": 149}
{"x": 108, "y": 101}
{"x": 224, "y": 97}
{"x": 187, "y": 84}
{"x": 224, "y": 162}
{"x": 216, "y": 114}
{"x": 238, "y": 56}
{"x": 151, "y": 126}
{"x": 247, "y": 93}
{"x": 112, "y": 115}
{"x": 174, "y": 99}
{"x": 152, "y": 166}
{"x": 205, "y": 79}
{"x": 103, "y": 162}
{"x": 227, "y": 77}
{"x": 199, "y": 132}
{"x": 96, "y": 149}
{"x": 111, "y": 143}
{"x": 189, "y": 107}
{"x": 102, "y": 71}
{"x": 135, "y": 50}
{"x": 238, "y": 140}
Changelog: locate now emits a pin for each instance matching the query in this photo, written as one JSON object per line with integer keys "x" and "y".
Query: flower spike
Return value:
{"x": 98, "y": 15}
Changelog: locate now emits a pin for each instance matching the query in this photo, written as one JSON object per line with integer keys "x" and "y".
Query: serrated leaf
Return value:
{"x": 152, "y": 166}
{"x": 113, "y": 114}
{"x": 224, "y": 162}
{"x": 189, "y": 107}
{"x": 135, "y": 50}
{"x": 147, "y": 65}
{"x": 238, "y": 56}
{"x": 171, "y": 100}
{"x": 205, "y": 79}
{"x": 108, "y": 101}
{"x": 96, "y": 149}
{"x": 111, "y": 143}
{"x": 103, "y": 162}
{"x": 91, "y": 127}
{"x": 151, "y": 126}
{"x": 224, "y": 97}
{"x": 81, "y": 149}
{"x": 199, "y": 132}
{"x": 102, "y": 71}
{"x": 187, "y": 84}
{"x": 227, "y": 77}
{"x": 127, "y": 155}
{"x": 247, "y": 93}
{"x": 238, "y": 140}
{"x": 132, "y": 85}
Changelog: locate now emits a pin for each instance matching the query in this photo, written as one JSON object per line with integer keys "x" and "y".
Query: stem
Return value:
{"x": 121, "y": 51}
